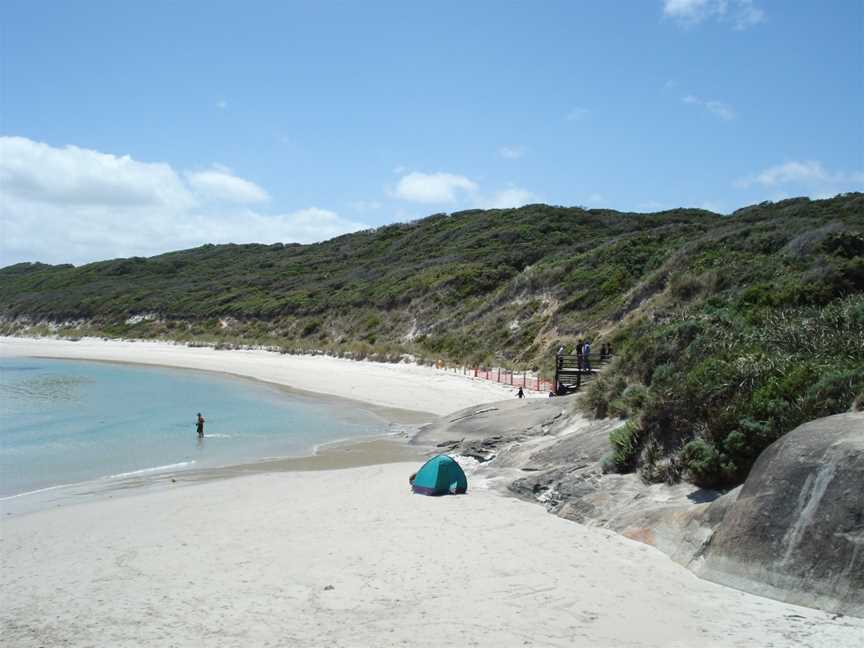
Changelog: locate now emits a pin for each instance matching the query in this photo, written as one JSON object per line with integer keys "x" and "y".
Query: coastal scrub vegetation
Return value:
{"x": 727, "y": 331}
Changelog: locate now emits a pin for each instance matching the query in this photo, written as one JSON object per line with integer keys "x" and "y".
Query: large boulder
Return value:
{"x": 796, "y": 530}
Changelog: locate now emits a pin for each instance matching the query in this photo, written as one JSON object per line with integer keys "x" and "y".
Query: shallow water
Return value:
{"x": 67, "y": 421}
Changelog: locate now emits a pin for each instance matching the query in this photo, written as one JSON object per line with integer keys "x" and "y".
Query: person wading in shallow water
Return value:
{"x": 199, "y": 425}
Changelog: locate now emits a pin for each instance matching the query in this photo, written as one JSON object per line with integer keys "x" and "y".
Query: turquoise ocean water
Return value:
{"x": 66, "y": 421}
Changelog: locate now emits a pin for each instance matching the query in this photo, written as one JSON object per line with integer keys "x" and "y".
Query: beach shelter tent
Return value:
{"x": 439, "y": 476}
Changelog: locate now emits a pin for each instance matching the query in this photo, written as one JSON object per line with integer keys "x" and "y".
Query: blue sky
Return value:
{"x": 138, "y": 128}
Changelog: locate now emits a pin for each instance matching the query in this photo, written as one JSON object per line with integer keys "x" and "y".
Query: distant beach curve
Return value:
{"x": 401, "y": 386}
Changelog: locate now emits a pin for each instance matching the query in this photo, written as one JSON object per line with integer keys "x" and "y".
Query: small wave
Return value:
{"x": 33, "y": 492}
{"x": 217, "y": 436}
{"x": 144, "y": 471}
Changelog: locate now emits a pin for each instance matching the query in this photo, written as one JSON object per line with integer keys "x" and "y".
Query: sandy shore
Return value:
{"x": 401, "y": 386}
{"x": 351, "y": 558}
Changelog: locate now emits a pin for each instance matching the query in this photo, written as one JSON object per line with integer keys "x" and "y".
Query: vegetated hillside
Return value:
{"x": 729, "y": 331}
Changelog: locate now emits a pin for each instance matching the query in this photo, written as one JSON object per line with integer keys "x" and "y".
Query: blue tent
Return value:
{"x": 439, "y": 476}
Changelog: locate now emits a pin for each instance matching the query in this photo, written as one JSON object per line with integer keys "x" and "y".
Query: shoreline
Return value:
{"x": 341, "y": 454}
{"x": 379, "y": 448}
{"x": 391, "y": 415}
{"x": 408, "y": 387}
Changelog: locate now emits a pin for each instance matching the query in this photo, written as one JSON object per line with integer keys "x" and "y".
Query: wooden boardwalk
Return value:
{"x": 574, "y": 371}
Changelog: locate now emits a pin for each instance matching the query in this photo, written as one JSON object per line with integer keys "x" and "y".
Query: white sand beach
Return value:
{"x": 403, "y": 386}
{"x": 350, "y": 557}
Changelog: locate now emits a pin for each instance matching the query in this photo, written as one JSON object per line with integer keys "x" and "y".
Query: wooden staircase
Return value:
{"x": 572, "y": 372}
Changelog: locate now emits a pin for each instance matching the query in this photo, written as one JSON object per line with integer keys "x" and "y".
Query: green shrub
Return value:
{"x": 310, "y": 327}
{"x": 845, "y": 244}
{"x": 607, "y": 463}
{"x": 631, "y": 401}
{"x": 703, "y": 463}
{"x": 685, "y": 287}
{"x": 625, "y": 446}
{"x": 833, "y": 392}
{"x": 670, "y": 469}
{"x": 649, "y": 458}
{"x": 600, "y": 396}
{"x": 656, "y": 467}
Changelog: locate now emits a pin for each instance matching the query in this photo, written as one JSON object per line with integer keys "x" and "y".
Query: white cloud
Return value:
{"x": 219, "y": 183}
{"x": 450, "y": 188}
{"x": 74, "y": 205}
{"x": 741, "y": 14}
{"x": 506, "y": 199}
{"x": 692, "y": 11}
{"x": 365, "y": 205}
{"x": 577, "y": 114}
{"x": 792, "y": 172}
{"x": 433, "y": 187}
{"x": 301, "y": 226}
{"x": 37, "y": 172}
{"x": 511, "y": 152}
{"x": 809, "y": 176}
{"x": 722, "y": 110}
{"x": 747, "y": 15}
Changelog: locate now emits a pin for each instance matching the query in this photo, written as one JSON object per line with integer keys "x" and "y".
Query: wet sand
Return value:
{"x": 339, "y": 455}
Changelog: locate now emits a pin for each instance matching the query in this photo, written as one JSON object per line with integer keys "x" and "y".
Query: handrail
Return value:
{"x": 576, "y": 365}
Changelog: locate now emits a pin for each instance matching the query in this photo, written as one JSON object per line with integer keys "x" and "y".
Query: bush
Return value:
{"x": 702, "y": 462}
{"x": 601, "y": 395}
{"x": 845, "y": 244}
{"x": 625, "y": 447}
{"x": 656, "y": 468}
{"x": 670, "y": 469}
{"x": 651, "y": 455}
{"x": 631, "y": 401}
{"x": 607, "y": 463}
{"x": 312, "y": 326}
{"x": 833, "y": 392}
{"x": 684, "y": 287}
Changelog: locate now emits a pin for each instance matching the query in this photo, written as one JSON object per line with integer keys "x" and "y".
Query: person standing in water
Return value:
{"x": 199, "y": 425}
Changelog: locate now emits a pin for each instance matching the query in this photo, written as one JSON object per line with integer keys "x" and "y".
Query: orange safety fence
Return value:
{"x": 506, "y": 377}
